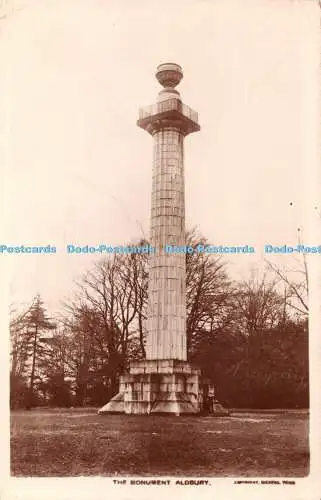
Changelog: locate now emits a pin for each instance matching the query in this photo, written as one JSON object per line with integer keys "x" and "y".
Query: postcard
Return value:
{"x": 161, "y": 249}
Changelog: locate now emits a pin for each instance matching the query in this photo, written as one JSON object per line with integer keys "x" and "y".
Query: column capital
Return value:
{"x": 168, "y": 113}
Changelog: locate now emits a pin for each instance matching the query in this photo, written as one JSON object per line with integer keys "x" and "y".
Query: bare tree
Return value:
{"x": 296, "y": 282}
{"x": 296, "y": 279}
{"x": 109, "y": 312}
{"x": 260, "y": 307}
{"x": 209, "y": 293}
{"x": 54, "y": 372}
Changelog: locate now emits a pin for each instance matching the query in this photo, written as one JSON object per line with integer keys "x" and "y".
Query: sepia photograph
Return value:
{"x": 161, "y": 243}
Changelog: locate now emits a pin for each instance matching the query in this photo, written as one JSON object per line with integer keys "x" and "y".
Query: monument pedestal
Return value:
{"x": 158, "y": 387}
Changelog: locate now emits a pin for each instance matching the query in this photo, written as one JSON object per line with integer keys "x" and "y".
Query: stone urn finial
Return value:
{"x": 169, "y": 75}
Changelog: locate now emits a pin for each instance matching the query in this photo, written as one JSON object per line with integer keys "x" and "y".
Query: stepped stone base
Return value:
{"x": 158, "y": 387}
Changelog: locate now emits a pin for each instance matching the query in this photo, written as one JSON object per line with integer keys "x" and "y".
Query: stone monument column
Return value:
{"x": 168, "y": 121}
{"x": 165, "y": 382}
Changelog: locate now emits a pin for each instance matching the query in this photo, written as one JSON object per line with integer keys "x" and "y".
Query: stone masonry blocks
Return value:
{"x": 166, "y": 337}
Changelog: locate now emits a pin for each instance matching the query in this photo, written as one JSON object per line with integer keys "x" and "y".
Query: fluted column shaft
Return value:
{"x": 166, "y": 337}
{"x": 169, "y": 120}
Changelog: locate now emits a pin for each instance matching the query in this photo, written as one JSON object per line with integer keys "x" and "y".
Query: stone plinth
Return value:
{"x": 157, "y": 387}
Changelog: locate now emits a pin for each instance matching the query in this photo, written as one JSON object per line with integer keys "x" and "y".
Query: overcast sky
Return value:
{"x": 78, "y": 169}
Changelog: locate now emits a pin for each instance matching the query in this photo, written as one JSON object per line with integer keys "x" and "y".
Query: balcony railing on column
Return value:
{"x": 168, "y": 105}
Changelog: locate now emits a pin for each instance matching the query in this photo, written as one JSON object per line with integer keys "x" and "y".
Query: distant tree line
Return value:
{"x": 249, "y": 337}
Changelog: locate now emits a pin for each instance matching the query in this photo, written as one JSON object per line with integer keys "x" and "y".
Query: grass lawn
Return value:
{"x": 79, "y": 442}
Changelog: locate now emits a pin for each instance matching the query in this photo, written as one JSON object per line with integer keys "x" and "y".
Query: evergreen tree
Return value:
{"x": 37, "y": 324}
